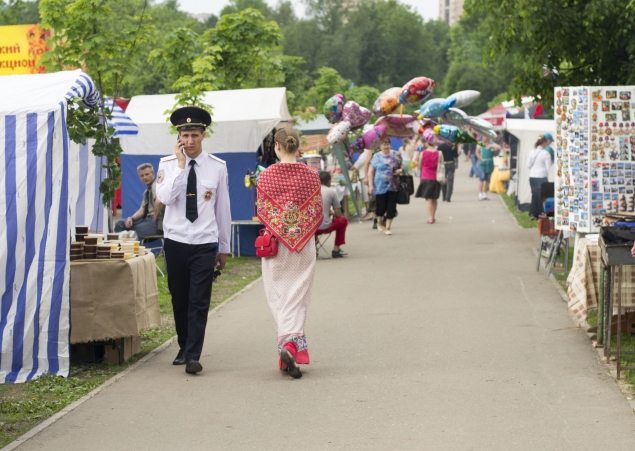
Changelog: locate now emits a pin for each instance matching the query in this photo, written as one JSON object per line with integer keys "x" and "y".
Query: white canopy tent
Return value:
{"x": 527, "y": 132}
{"x": 241, "y": 120}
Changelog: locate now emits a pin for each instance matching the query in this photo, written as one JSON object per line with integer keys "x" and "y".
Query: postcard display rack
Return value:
{"x": 595, "y": 154}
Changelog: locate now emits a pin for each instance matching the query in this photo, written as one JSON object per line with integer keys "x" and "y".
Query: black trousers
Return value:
{"x": 448, "y": 187}
{"x": 190, "y": 272}
{"x": 387, "y": 204}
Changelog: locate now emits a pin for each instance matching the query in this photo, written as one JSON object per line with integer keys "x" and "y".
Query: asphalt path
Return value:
{"x": 439, "y": 337}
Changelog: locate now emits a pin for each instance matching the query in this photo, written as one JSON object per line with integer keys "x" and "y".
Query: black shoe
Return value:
{"x": 193, "y": 367}
{"x": 375, "y": 224}
{"x": 338, "y": 254}
{"x": 448, "y": 200}
{"x": 180, "y": 359}
{"x": 292, "y": 365}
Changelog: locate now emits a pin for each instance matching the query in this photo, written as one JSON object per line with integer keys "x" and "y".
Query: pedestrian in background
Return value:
{"x": 429, "y": 189}
{"x": 361, "y": 166}
{"x": 383, "y": 179}
{"x": 407, "y": 153}
{"x": 290, "y": 207}
{"x": 470, "y": 151}
{"x": 539, "y": 163}
{"x": 451, "y": 162}
{"x": 485, "y": 155}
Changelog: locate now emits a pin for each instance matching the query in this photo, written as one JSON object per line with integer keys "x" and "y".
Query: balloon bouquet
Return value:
{"x": 451, "y": 128}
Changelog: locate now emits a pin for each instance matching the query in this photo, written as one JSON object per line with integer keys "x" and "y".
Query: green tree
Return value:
{"x": 18, "y": 12}
{"x": 363, "y": 95}
{"x": 236, "y": 6}
{"x": 249, "y": 48}
{"x": 467, "y": 69}
{"x": 84, "y": 39}
{"x": 243, "y": 51}
{"x": 561, "y": 42}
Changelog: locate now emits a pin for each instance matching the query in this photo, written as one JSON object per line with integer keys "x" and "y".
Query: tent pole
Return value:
{"x": 338, "y": 150}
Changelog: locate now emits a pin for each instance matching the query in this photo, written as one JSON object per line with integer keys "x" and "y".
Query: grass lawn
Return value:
{"x": 522, "y": 218}
{"x": 22, "y": 406}
{"x": 628, "y": 345}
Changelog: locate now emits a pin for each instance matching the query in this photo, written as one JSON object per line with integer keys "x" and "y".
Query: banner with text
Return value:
{"x": 21, "y": 49}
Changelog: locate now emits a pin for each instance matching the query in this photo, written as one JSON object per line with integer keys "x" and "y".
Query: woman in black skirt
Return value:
{"x": 429, "y": 188}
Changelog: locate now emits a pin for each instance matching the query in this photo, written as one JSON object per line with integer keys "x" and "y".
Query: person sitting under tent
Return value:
{"x": 338, "y": 222}
{"x": 148, "y": 219}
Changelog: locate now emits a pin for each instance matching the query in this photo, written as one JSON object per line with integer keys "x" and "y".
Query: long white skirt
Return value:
{"x": 288, "y": 281}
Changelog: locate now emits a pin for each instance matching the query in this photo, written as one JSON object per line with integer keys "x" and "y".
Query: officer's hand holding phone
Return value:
{"x": 179, "y": 151}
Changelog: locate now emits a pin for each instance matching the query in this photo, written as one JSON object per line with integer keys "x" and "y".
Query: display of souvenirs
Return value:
{"x": 94, "y": 247}
{"x": 595, "y": 155}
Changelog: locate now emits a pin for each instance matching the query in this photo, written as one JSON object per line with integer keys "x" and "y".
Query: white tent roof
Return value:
{"x": 29, "y": 93}
{"x": 318, "y": 126}
{"x": 527, "y": 131}
{"x": 241, "y": 120}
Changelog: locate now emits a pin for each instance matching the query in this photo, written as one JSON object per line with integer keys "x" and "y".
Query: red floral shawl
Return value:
{"x": 290, "y": 203}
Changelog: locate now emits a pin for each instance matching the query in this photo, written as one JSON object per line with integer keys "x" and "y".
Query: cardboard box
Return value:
{"x": 125, "y": 348}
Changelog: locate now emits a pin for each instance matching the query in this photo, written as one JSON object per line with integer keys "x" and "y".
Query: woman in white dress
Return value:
{"x": 290, "y": 207}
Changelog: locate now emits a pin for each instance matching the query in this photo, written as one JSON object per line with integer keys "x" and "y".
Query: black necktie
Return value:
{"x": 147, "y": 207}
{"x": 191, "y": 209}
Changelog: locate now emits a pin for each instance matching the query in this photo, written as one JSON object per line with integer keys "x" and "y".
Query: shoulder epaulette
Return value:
{"x": 216, "y": 158}
{"x": 169, "y": 158}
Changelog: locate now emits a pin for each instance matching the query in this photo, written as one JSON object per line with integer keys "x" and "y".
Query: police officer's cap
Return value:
{"x": 190, "y": 118}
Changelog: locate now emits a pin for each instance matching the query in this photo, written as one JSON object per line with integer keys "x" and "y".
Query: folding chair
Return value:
{"x": 148, "y": 239}
{"x": 320, "y": 241}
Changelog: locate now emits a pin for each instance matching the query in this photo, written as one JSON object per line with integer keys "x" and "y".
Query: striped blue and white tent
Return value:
{"x": 120, "y": 121}
{"x": 47, "y": 185}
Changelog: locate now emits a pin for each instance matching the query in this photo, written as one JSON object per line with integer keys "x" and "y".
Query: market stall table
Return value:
{"x": 584, "y": 281}
{"x": 113, "y": 298}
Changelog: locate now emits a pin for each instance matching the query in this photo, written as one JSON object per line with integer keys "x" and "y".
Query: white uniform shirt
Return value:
{"x": 213, "y": 224}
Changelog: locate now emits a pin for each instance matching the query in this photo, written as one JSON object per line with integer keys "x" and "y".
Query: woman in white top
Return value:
{"x": 539, "y": 163}
{"x": 361, "y": 166}
{"x": 407, "y": 153}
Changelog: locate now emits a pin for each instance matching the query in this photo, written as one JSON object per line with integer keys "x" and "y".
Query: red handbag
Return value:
{"x": 266, "y": 244}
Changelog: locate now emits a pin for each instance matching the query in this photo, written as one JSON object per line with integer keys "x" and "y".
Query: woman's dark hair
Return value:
{"x": 541, "y": 140}
{"x": 288, "y": 139}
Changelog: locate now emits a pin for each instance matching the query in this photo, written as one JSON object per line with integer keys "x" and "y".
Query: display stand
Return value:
{"x": 595, "y": 155}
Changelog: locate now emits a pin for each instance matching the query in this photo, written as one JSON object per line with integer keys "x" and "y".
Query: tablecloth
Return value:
{"x": 584, "y": 281}
{"x": 113, "y": 298}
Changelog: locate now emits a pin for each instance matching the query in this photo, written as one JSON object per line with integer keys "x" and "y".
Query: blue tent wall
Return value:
{"x": 237, "y": 164}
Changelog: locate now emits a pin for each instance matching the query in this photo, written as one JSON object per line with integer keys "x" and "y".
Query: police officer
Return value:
{"x": 193, "y": 186}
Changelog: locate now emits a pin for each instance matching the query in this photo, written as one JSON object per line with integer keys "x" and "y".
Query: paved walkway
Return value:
{"x": 439, "y": 337}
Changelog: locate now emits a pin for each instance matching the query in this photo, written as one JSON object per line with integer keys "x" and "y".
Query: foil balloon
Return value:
{"x": 372, "y": 138}
{"x": 416, "y": 90}
{"x": 436, "y": 107}
{"x": 387, "y": 102}
{"x": 396, "y": 125}
{"x": 464, "y": 98}
{"x": 455, "y": 117}
{"x": 478, "y": 123}
{"x": 333, "y": 108}
{"x": 431, "y": 137}
{"x": 453, "y": 134}
{"x": 355, "y": 114}
{"x": 489, "y": 133}
{"x": 338, "y": 133}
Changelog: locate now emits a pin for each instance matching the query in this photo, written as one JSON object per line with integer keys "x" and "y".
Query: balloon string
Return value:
{"x": 401, "y": 110}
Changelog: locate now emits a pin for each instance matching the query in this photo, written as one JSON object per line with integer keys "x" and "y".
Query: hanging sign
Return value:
{"x": 21, "y": 49}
